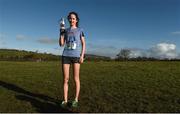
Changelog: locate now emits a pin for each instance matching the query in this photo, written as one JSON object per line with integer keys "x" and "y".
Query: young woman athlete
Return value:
{"x": 73, "y": 41}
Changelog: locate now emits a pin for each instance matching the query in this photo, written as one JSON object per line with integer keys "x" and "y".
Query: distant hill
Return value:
{"x": 91, "y": 57}
{"x": 22, "y": 55}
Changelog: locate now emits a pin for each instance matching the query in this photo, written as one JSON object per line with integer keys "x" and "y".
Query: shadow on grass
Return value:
{"x": 41, "y": 102}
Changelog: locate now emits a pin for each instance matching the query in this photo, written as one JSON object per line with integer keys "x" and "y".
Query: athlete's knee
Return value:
{"x": 76, "y": 79}
{"x": 66, "y": 80}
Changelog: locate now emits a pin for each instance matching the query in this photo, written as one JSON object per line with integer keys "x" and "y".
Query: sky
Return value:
{"x": 147, "y": 27}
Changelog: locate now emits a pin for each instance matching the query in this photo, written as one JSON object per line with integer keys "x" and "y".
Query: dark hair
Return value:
{"x": 77, "y": 17}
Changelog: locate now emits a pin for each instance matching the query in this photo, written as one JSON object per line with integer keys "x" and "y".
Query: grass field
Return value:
{"x": 105, "y": 87}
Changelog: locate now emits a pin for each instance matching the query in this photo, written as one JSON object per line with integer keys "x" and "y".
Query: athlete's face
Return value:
{"x": 72, "y": 20}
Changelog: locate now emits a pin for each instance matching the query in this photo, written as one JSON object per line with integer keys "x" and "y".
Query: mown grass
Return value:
{"x": 105, "y": 87}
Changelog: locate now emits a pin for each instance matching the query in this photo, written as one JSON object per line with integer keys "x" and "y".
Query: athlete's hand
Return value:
{"x": 81, "y": 60}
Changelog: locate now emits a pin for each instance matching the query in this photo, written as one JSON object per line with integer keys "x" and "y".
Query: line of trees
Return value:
{"x": 124, "y": 55}
{"x": 21, "y": 55}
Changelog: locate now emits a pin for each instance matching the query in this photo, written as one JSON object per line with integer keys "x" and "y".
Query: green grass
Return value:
{"x": 105, "y": 87}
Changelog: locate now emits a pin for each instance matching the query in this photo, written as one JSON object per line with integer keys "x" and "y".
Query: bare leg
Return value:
{"x": 66, "y": 79}
{"x": 76, "y": 69}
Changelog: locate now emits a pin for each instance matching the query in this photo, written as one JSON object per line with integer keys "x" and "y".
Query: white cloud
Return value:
{"x": 161, "y": 51}
{"x": 164, "y": 47}
{"x": 176, "y": 33}
{"x": 21, "y": 37}
{"x": 47, "y": 40}
{"x": 164, "y": 50}
{"x": 101, "y": 50}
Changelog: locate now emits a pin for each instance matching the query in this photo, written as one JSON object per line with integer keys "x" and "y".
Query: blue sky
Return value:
{"x": 109, "y": 25}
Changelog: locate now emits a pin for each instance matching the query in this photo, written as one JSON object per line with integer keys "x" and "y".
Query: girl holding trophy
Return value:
{"x": 73, "y": 41}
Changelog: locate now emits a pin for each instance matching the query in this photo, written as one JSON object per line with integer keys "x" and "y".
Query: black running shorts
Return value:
{"x": 70, "y": 60}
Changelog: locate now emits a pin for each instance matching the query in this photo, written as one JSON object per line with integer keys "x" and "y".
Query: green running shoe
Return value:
{"x": 74, "y": 104}
{"x": 64, "y": 104}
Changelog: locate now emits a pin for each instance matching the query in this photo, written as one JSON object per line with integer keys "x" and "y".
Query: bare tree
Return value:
{"x": 124, "y": 54}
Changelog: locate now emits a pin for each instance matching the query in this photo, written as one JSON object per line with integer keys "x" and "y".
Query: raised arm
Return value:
{"x": 61, "y": 40}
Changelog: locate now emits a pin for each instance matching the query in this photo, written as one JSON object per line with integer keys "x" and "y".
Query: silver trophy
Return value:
{"x": 62, "y": 25}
